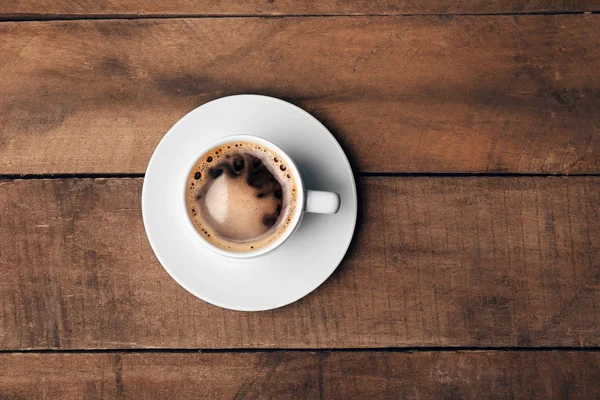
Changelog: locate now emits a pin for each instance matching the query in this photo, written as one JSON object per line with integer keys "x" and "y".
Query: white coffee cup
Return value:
{"x": 311, "y": 201}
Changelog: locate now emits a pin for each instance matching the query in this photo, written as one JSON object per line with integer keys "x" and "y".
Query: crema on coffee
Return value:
{"x": 241, "y": 196}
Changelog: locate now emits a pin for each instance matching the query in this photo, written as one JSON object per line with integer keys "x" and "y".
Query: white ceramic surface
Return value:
{"x": 295, "y": 268}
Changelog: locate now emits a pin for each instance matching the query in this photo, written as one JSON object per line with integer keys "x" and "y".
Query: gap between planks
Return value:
{"x": 592, "y": 349}
{"x": 50, "y": 17}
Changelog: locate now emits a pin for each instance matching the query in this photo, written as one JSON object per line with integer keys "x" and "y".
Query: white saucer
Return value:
{"x": 289, "y": 272}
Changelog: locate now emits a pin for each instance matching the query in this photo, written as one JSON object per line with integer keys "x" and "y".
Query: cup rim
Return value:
{"x": 296, "y": 218}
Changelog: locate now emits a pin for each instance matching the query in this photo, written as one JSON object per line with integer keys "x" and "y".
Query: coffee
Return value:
{"x": 241, "y": 196}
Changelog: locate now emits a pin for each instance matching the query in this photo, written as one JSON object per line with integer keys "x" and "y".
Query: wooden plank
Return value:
{"x": 303, "y": 375}
{"x": 418, "y": 94}
{"x": 115, "y": 8}
{"x": 435, "y": 262}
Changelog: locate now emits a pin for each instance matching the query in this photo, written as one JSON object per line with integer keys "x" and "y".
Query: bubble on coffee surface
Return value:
{"x": 241, "y": 196}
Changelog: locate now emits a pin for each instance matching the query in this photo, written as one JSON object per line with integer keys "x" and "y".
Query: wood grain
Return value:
{"x": 435, "y": 262}
{"x": 303, "y": 375}
{"x": 15, "y": 9}
{"x": 402, "y": 94}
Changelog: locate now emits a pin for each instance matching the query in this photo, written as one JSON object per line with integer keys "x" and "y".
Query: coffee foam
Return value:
{"x": 241, "y": 196}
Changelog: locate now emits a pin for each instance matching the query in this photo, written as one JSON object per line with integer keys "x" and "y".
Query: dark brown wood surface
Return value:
{"x": 303, "y": 375}
{"x": 435, "y": 262}
{"x": 403, "y": 94}
{"x": 130, "y": 8}
{"x": 440, "y": 265}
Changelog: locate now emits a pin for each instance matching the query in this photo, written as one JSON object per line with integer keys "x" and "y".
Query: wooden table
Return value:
{"x": 474, "y": 131}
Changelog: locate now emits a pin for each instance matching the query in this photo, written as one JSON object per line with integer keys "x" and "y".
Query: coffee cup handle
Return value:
{"x": 322, "y": 202}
